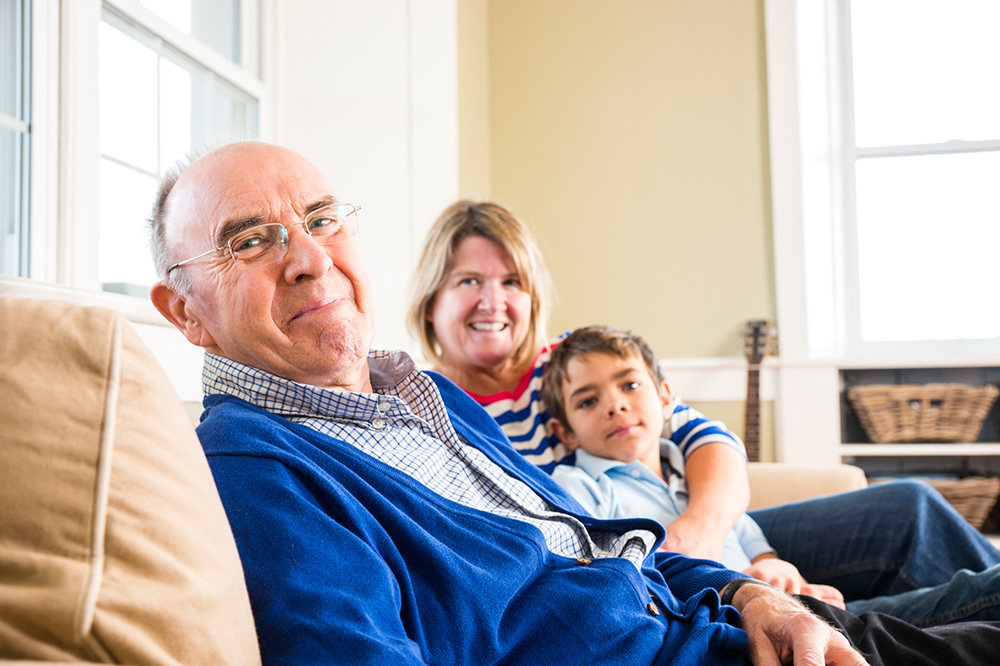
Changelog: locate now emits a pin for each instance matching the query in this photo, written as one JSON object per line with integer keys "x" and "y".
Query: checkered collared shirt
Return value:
{"x": 405, "y": 425}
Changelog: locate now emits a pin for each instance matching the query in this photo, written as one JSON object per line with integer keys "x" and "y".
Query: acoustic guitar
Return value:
{"x": 758, "y": 340}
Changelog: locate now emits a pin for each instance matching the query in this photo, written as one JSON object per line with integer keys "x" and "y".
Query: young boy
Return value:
{"x": 608, "y": 401}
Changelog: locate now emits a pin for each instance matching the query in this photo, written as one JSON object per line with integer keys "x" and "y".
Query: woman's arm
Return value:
{"x": 718, "y": 494}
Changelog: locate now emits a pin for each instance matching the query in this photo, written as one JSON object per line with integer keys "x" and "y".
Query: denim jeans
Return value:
{"x": 885, "y": 540}
{"x": 967, "y": 596}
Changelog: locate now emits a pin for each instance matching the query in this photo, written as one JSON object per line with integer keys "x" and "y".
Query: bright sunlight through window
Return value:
{"x": 926, "y": 121}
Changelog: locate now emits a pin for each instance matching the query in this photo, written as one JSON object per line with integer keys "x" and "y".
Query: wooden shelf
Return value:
{"x": 921, "y": 449}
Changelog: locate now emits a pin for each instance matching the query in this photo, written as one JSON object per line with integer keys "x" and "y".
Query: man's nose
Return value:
{"x": 304, "y": 256}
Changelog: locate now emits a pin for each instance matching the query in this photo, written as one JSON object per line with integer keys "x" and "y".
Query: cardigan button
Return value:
{"x": 653, "y": 610}
{"x": 583, "y": 561}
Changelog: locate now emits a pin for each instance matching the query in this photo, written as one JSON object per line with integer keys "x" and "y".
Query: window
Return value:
{"x": 922, "y": 162}
{"x": 97, "y": 100}
{"x": 885, "y": 151}
{"x": 15, "y": 43}
{"x": 159, "y": 100}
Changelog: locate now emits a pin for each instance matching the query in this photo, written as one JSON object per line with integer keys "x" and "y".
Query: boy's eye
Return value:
{"x": 586, "y": 403}
{"x": 630, "y": 386}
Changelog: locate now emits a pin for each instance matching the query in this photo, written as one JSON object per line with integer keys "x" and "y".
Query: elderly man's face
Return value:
{"x": 309, "y": 316}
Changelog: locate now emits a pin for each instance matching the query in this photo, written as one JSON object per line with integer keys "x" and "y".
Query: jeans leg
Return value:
{"x": 967, "y": 596}
{"x": 888, "y": 538}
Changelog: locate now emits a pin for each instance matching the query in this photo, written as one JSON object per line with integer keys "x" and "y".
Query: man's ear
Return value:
{"x": 564, "y": 434}
{"x": 174, "y": 307}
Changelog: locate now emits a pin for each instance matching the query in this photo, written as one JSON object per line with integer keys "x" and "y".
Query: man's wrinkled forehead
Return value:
{"x": 238, "y": 188}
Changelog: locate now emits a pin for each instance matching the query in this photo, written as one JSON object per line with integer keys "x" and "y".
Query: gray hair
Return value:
{"x": 158, "y": 246}
{"x": 179, "y": 281}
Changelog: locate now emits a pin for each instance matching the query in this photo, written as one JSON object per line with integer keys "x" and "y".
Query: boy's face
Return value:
{"x": 614, "y": 408}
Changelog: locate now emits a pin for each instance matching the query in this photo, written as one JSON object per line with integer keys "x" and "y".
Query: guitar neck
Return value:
{"x": 751, "y": 430}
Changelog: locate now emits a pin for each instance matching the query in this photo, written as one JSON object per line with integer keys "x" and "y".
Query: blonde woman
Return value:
{"x": 479, "y": 306}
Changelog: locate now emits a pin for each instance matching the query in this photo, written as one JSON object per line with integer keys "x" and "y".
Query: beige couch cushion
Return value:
{"x": 114, "y": 546}
{"x": 779, "y": 483}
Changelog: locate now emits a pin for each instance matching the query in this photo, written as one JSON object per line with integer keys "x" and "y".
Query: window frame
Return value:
{"x": 813, "y": 156}
{"x": 65, "y": 151}
{"x": 20, "y": 124}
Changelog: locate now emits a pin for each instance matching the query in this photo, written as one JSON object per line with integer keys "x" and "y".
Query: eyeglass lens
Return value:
{"x": 270, "y": 241}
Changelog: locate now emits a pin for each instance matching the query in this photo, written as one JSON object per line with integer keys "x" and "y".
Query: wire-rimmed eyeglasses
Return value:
{"x": 266, "y": 243}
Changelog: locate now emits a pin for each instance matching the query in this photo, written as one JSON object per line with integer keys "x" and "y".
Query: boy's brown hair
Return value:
{"x": 590, "y": 340}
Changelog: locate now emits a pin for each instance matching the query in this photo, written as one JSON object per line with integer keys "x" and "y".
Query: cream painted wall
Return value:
{"x": 631, "y": 136}
{"x": 473, "y": 99}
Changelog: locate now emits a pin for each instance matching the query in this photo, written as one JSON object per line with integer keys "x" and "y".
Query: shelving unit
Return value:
{"x": 854, "y": 439}
{"x": 981, "y": 458}
{"x": 921, "y": 449}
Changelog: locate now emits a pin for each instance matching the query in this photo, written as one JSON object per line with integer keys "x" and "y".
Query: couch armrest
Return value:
{"x": 779, "y": 483}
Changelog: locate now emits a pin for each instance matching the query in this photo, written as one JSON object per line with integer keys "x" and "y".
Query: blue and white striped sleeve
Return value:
{"x": 689, "y": 429}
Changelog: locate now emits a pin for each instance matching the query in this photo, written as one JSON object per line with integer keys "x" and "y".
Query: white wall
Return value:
{"x": 368, "y": 91}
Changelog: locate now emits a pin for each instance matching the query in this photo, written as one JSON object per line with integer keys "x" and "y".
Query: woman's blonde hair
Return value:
{"x": 495, "y": 222}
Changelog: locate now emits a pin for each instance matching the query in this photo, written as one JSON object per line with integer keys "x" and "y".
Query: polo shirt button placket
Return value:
{"x": 382, "y": 406}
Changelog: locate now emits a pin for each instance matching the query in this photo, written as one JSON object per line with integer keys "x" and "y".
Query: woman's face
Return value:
{"x": 481, "y": 314}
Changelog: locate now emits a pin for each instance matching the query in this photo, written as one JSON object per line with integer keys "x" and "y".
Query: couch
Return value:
{"x": 114, "y": 546}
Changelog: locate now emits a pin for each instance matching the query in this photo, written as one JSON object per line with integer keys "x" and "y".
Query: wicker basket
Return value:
{"x": 973, "y": 497}
{"x": 922, "y": 412}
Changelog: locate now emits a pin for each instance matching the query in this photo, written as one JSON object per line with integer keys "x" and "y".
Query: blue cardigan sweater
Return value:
{"x": 349, "y": 561}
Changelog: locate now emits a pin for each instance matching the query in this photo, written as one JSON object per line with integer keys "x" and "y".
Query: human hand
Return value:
{"x": 771, "y": 569}
{"x": 783, "y": 631}
{"x": 786, "y": 577}
{"x": 825, "y": 593}
{"x": 694, "y": 538}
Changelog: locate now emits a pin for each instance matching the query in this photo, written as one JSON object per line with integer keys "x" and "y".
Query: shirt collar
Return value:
{"x": 388, "y": 370}
{"x": 595, "y": 466}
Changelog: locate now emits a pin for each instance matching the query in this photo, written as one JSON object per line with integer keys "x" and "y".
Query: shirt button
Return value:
{"x": 653, "y": 610}
{"x": 378, "y": 423}
{"x": 384, "y": 406}
{"x": 636, "y": 473}
{"x": 583, "y": 561}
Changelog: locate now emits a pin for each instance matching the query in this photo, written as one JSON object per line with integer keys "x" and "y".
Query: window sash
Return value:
{"x": 64, "y": 193}
{"x": 853, "y": 157}
{"x": 812, "y": 191}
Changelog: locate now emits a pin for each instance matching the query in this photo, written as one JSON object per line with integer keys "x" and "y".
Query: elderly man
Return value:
{"x": 381, "y": 515}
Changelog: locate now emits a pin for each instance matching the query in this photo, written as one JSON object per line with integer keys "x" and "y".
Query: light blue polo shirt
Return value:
{"x": 613, "y": 489}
